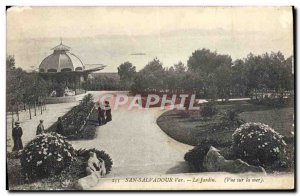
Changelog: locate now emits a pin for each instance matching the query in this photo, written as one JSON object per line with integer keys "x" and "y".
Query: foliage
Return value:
{"x": 196, "y": 156}
{"x": 47, "y": 154}
{"x": 150, "y": 78}
{"x": 206, "y": 61}
{"x": 127, "y": 73}
{"x": 208, "y": 109}
{"x": 258, "y": 143}
{"x": 101, "y": 82}
{"x": 75, "y": 120}
{"x": 231, "y": 117}
{"x": 212, "y": 75}
{"x": 100, "y": 155}
{"x": 275, "y": 102}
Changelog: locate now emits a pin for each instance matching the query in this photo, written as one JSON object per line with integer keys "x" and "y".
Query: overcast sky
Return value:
{"x": 109, "y": 35}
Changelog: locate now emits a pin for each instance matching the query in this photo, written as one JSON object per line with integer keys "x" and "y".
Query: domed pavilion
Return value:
{"x": 65, "y": 71}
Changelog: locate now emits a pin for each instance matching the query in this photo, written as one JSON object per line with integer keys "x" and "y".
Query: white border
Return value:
{"x": 3, "y": 3}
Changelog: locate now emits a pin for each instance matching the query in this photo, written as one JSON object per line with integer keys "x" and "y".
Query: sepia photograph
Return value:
{"x": 152, "y": 98}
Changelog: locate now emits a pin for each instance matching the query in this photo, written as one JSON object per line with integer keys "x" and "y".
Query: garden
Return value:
{"x": 228, "y": 126}
{"x": 49, "y": 161}
{"x": 80, "y": 122}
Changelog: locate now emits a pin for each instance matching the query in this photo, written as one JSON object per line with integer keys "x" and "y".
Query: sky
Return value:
{"x": 110, "y": 35}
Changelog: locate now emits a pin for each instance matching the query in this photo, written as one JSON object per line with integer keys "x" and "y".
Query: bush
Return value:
{"x": 231, "y": 117}
{"x": 47, "y": 154}
{"x": 75, "y": 118}
{"x": 100, "y": 155}
{"x": 195, "y": 157}
{"x": 209, "y": 109}
{"x": 258, "y": 143}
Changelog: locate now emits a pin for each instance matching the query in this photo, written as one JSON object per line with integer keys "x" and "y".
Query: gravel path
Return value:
{"x": 136, "y": 143}
{"x": 29, "y": 126}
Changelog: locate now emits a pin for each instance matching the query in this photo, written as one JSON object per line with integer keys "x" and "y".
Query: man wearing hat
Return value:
{"x": 40, "y": 128}
{"x": 17, "y": 134}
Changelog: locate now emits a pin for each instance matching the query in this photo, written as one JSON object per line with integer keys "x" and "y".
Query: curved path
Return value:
{"x": 136, "y": 144}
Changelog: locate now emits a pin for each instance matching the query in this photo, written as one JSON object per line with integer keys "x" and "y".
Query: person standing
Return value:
{"x": 107, "y": 112}
{"x": 40, "y": 128}
{"x": 101, "y": 115}
{"x": 17, "y": 133}
{"x": 60, "y": 127}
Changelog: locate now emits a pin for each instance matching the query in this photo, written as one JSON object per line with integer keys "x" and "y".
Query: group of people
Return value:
{"x": 104, "y": 113}
{"x": 17, "y": 132}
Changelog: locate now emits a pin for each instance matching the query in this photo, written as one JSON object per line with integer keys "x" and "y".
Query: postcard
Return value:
{"x": 150, "y": 98}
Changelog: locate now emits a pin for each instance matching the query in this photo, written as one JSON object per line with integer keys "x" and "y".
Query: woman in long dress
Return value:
{"x": 101, "y": 114}
{"x": 107, "y": 112}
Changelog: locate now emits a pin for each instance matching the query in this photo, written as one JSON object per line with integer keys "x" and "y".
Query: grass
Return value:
{"x": 191, "y": 128}
{"x": 89, "y": 130}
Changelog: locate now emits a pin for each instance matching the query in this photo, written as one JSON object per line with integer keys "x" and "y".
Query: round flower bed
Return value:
{"x": 47, "y": 154}
{"x": 258, "y": 143}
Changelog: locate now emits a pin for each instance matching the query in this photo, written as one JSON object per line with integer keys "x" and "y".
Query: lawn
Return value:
{"x": 191, "y": 128}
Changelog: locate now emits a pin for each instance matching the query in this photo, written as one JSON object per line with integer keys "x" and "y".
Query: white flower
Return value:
{"x": 39, "y": 163}
{"x": 59, "y": 159}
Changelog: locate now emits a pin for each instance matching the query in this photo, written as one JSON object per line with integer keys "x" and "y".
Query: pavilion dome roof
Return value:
{"x": 61, "y": 60}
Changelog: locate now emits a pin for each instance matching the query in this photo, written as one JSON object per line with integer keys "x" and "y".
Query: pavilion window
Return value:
{"x": 52, "y": 70}
{"x": 66, "y": 69}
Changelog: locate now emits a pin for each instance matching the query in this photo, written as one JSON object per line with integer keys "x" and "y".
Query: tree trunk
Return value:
{"x": 18, "y": 112}
{"x": 255, "y": 91}
{"x": 29, "y": 111}
{"x": 24, "y": 106}
{"x": 34, "y": 108}
{"x": 41, "y": 108}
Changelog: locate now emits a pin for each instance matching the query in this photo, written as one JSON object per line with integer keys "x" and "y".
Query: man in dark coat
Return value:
{"x": 40, "y": 128}
{"x": 17, "y": 133}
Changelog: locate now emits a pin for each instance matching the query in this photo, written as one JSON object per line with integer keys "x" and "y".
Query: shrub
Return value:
{"x": 195, "y": 157}
{"x": 231, "y": 117}
{"x": 100, "y": 155}
{"x": 258, "y": 143}
{"x": 209, "y": 109}
{"x": 76, "y": 117}
{"x": 47, "y": 154}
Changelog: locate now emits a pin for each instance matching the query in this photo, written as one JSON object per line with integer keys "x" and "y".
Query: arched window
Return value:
{"x": 42, "y": 70}
{"x": 52, "y": 70}
{"x": 78, "y": 68}
{"x": 66, "y": 69}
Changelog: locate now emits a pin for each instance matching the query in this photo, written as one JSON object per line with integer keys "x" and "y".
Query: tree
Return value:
{"x": 206, "y": 61}
{"x": 222, "y": 81}
{"x": 150, "y": 78}
{"x": 127, "y": 73}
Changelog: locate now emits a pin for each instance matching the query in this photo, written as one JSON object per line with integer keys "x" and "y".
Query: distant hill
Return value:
{"x": 113, "y": 75}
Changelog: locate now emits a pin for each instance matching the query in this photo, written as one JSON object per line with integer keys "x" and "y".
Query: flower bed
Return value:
{"x": 258, "y": 143}
{"x": 76, "y": 122}
{"x": 47, "y": 154}
{"x": 60, "y": 170}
